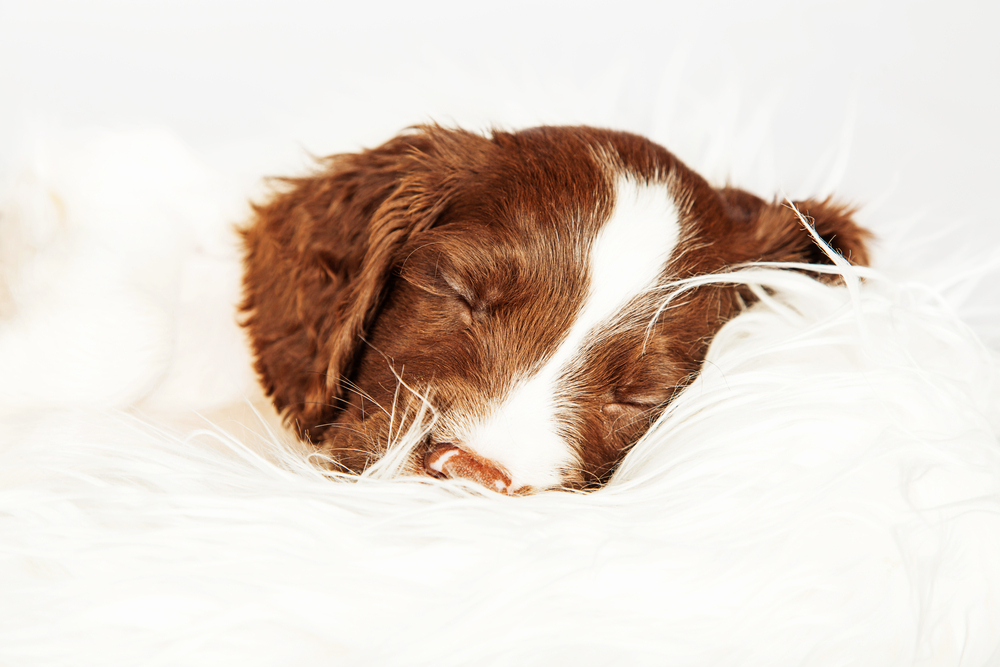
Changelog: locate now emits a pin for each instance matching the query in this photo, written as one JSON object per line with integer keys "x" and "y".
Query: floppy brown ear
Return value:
{"x": 777, "y": 233}
{"x": 317, "y": 258}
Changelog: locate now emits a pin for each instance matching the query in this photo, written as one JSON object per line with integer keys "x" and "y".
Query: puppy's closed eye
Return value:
{"x": 437, "y": 276}
{"x": 623, "y": 402}
{"x": 511, "y": 281}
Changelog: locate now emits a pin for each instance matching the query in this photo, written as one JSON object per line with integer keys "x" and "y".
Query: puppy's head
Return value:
{"x": 513, "y": 282}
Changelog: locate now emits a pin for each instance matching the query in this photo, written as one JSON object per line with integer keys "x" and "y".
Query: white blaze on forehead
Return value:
{"x": 628, "y": 255}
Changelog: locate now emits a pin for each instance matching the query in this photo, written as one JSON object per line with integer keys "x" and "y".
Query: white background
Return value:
{"x": 912, "y": 89}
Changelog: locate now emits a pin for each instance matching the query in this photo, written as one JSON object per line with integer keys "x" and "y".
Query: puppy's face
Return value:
{"x": 514, "y": 284}
{"x": 526, "y": 317}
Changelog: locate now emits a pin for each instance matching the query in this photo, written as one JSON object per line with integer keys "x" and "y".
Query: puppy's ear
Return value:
{"x": 318, "y": 256}
{"x": 777, "y": 234}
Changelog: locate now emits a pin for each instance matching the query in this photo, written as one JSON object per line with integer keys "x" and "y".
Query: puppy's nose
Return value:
{"x": 448, "y": 461}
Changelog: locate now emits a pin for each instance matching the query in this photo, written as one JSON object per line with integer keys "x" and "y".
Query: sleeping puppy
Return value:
{"x": 513, "y": 285}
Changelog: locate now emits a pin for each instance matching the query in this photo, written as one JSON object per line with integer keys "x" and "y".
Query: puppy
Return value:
{"x": 514, "y": 285}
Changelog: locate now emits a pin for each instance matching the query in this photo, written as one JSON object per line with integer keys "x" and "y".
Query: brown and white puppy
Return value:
{"x": 514, "y": 281}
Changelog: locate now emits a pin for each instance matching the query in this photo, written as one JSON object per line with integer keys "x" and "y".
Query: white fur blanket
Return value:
{"x": 826, "y": 493}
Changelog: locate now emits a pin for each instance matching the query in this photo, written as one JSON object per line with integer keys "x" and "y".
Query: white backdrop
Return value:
{"x": 132, "y": 135}
{"x": 911, "y": 85}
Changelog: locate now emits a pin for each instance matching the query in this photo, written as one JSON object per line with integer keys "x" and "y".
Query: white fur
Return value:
{"x": 817, "y": 497}
{"x": 116, "y": 254}
{"x": 523, "y": 434}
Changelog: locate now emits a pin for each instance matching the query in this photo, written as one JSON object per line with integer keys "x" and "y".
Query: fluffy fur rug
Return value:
{"x": 827, "y": 493}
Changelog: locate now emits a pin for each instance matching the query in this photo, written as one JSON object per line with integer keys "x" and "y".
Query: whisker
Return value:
{"x": 358, "y": 391}
{"x": 412, "y": 430}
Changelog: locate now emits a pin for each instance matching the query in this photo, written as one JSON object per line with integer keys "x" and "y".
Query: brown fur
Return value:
{"x": 455, "y": 261}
